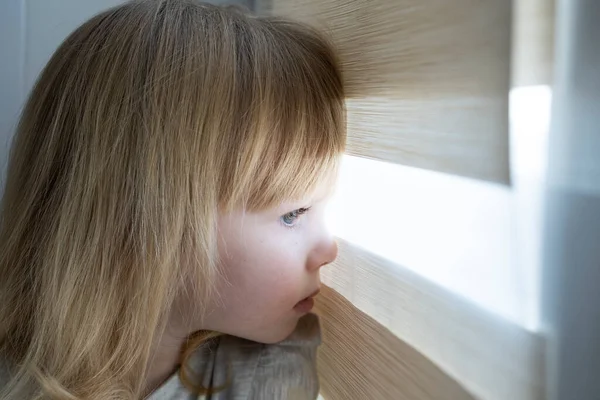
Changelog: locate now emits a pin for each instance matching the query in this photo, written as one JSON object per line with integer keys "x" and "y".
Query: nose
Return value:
{"x": 324, "y": 253}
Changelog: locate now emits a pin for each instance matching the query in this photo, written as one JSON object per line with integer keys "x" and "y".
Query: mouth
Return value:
{"x": 307, "y": 304}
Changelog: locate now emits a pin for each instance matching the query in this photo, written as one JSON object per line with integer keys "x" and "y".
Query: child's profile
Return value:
{"x": 162, "y": 224}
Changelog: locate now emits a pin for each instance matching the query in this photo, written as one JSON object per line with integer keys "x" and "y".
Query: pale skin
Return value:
{"x": 271, "y": 260}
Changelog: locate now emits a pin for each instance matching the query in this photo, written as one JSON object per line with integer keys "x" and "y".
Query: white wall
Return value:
{"x": 11, "y": 71}
{"x": 572, "y": 226}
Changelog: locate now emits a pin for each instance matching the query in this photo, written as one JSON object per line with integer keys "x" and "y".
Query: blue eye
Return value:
{"x": 289, "y": 220}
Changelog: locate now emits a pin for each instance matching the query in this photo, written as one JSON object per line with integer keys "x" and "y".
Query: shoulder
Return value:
{"x": 285, "y": 370}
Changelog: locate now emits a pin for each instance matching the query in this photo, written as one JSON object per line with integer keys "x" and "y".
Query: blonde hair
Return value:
{"x": 147, "y": 121}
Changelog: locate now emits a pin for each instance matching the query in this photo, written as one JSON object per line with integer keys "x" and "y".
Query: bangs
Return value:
{"x": 293, "y": 129}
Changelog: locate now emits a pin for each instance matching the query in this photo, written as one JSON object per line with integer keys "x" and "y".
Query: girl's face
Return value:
{"x": 271, "y": 261}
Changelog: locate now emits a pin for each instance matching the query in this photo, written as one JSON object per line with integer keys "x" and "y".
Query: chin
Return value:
{"x": 276, "y": 334}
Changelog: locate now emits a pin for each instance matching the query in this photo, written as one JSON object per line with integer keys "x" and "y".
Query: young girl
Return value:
{"x": 162, "y": 224}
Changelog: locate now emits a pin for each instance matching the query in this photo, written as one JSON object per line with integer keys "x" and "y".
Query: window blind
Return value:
{"x": 427, "y": 86}
{"x": 427, "y": 81}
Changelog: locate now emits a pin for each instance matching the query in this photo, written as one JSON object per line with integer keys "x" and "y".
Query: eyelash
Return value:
{"x": 295, "y": 215}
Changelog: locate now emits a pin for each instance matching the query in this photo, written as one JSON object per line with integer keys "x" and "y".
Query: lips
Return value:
{"x": 307, "y": 303}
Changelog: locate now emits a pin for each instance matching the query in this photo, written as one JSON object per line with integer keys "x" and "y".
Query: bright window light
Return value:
{"x": 477, "y": 239}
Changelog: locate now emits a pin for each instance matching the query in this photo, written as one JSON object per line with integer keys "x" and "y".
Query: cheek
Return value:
{"x": 265, "y": 269}
{"x": 265, "y": 276}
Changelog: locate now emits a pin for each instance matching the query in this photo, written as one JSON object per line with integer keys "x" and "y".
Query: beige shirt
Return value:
{"x": 282, "y": 371}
